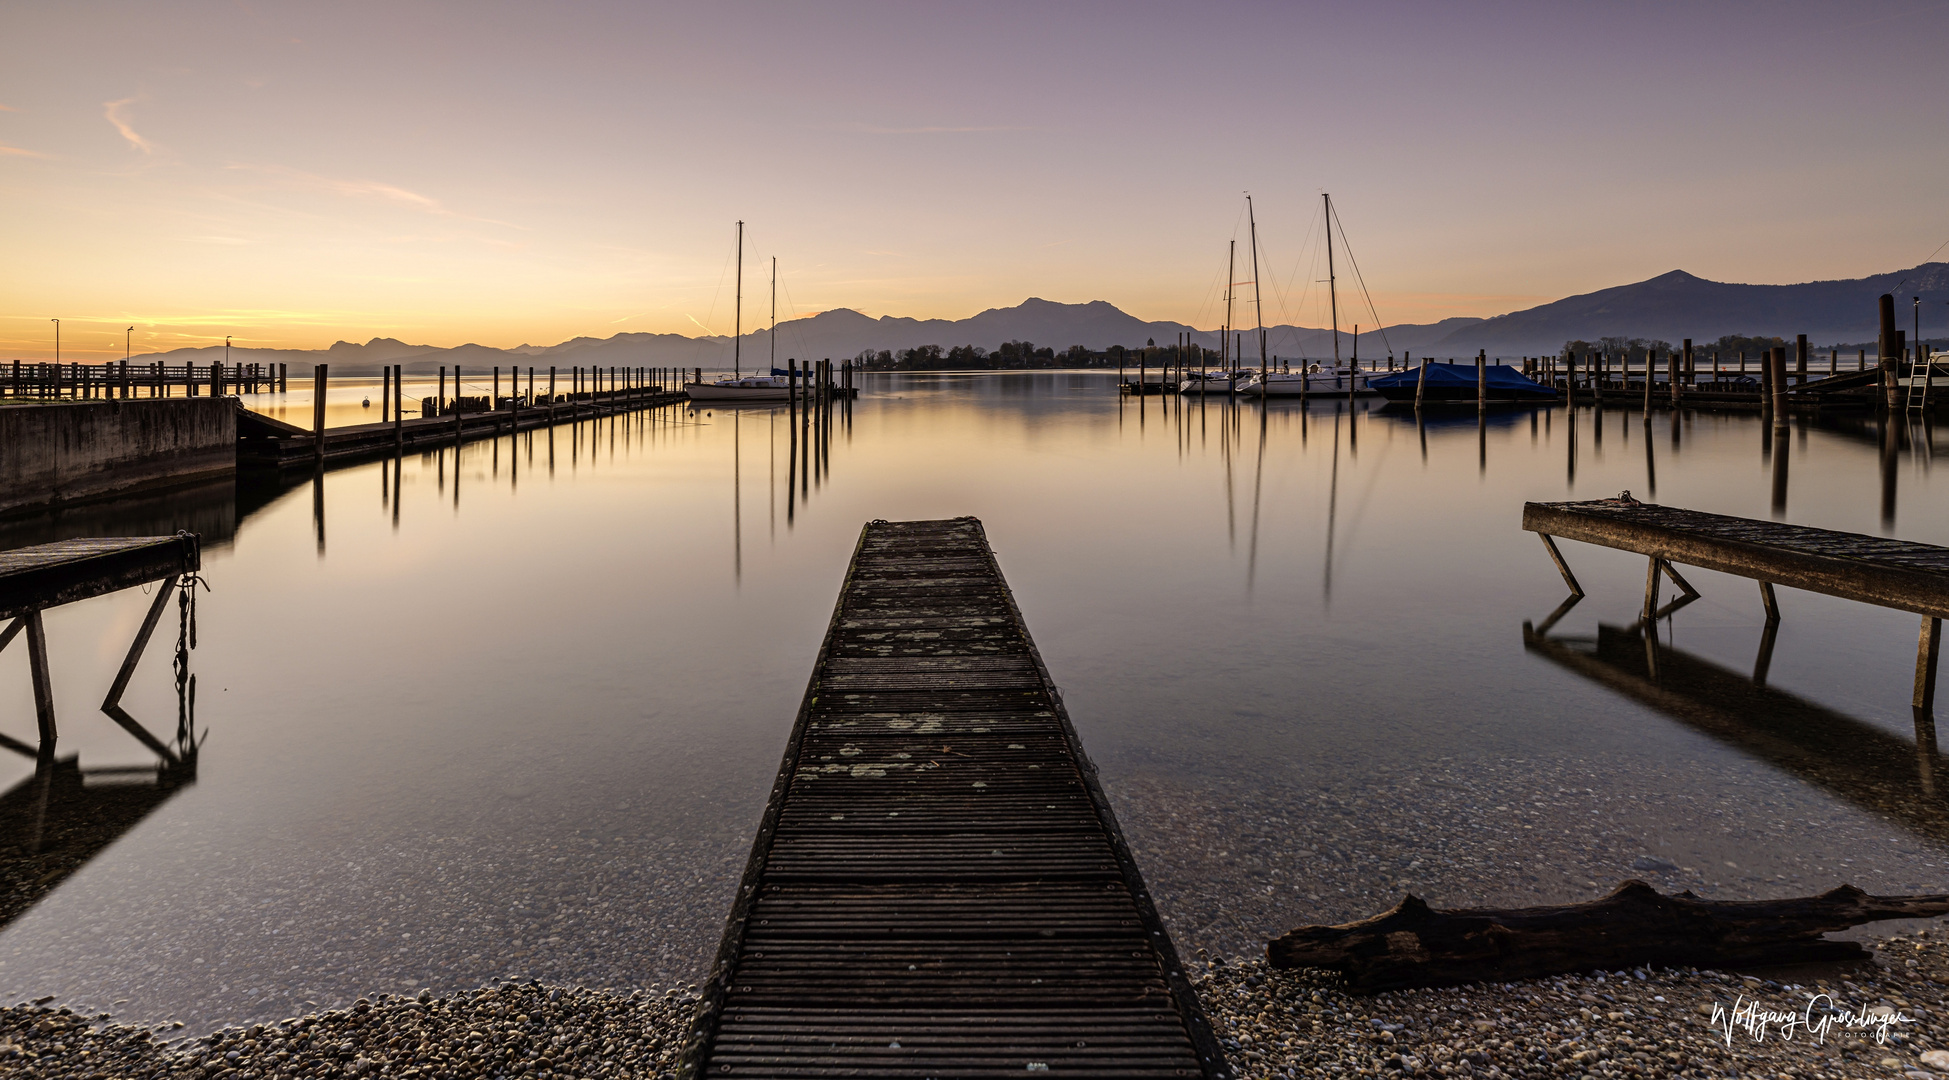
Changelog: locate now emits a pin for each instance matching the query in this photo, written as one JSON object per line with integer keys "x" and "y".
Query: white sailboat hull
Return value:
{"x": 750, "y": 394}
{"x": 1310, "y": 384}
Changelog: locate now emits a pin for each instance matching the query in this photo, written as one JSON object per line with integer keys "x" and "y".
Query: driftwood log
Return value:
{"x": 1415, "y": 945}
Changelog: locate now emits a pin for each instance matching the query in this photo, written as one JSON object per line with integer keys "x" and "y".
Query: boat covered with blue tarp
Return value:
{"x": 1454, "y": 384}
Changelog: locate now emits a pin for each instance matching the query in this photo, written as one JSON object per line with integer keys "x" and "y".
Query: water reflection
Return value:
{"x": 529, "y": 733}
{"x": 54, "y": 821}
{"x": 1847, "y": 757}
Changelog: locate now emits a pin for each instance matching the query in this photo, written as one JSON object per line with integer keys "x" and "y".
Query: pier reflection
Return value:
{"x": 1844, "y": 756}
{"x": 53, "y": 822}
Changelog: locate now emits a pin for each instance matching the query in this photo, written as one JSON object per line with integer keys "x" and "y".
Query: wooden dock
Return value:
{"x": 938, "y": 887}
{"x": 264, "y": 443}
{"x": 1876, "y": 570}
{"x": 33, "y": 579}
{"x": 43, "y": 381}
{"x": 46, "y": 575}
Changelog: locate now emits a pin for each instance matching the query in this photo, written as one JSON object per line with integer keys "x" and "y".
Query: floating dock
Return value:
{"x": 938, "y": 886}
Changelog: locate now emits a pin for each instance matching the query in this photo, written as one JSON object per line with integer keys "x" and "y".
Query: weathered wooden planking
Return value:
{"x": 1878, "y": 570}
{"x": 42, "y": 576}
{"x": 938, "y": 887}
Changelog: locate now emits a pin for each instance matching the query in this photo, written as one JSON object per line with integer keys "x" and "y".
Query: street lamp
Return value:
{"x": 128, "y": 345}
{"x": 1917, "y": 306}
{"x": 57, "y": 340}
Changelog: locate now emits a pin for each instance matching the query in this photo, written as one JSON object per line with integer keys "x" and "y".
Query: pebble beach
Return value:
{"x": 1884, "y": 1017}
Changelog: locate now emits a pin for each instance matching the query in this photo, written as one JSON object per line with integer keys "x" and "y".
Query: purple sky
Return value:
{"x": 294, "y": 174}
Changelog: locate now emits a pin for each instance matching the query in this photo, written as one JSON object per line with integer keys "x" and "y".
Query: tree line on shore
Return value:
{"x": 1635, "y": 349}
{"x": 1022, "y": 354}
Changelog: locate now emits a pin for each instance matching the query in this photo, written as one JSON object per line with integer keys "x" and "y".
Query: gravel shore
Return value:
{"x": 511, "y": 1029}
{"x": 1643, "y": 1023}
{"x": 1625, "y": 1024}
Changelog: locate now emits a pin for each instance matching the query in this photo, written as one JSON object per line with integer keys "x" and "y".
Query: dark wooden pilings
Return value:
{"x": 1481, "y": 380}
{"x": 318, "y": 411}
{"x": 1681, "y": 371}
{"x": 1891, "y": 353}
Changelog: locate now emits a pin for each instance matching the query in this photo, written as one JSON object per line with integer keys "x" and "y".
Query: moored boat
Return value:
{"x": 1454, "y": 384}
{"x": 752, "y": 388}
{"x": 1205, "y": 382}
{"x": 1313, "y": 381}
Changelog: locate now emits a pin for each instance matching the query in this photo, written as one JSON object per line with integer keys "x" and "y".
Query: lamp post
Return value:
{"x": 128, "y": 345}
{"x": 1917, "y": 306}
{"x": 57, "y": 351}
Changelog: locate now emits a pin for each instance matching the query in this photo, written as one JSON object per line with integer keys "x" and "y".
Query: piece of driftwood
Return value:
{"x": 1415, "y": 945}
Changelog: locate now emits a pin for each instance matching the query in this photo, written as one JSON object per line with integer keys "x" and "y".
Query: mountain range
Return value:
{"x": 1670, "y": 306}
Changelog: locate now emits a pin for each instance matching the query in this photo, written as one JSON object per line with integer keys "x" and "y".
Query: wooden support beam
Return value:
{"x": 112, "y": 704}
{"x": 1928, "y": 651}
{"x": 43, "y": 685}
{"x": 1684, "y": 585}
{"x": 1562, "y": 567}
{"x": 1768, "y": 601}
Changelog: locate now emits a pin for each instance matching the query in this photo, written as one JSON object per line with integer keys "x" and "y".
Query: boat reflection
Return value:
{"x": 1846, "y": 757}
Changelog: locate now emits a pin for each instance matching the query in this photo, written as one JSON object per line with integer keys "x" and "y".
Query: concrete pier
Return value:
{"x": 60, "y": 453}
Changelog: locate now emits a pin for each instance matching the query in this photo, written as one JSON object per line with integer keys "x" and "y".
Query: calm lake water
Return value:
{"x": 517, "y": 714}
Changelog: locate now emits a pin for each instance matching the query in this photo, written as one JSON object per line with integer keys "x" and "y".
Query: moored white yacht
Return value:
{"x": 1205, "y": 382}
{"x": 753, "y": 388}
{"x": 1311, "y": 380}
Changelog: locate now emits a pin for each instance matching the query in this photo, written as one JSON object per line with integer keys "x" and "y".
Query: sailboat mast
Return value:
{"x": 1225, "y": 342}
{"x": 1258, "y": 298}
{"x": 1333, "y": 297}
{"x": 771, "y": 336}
{"x": 737, "y": 316}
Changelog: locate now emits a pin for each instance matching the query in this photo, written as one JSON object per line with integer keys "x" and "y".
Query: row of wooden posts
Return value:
{"x": 622, "y": 387}
{"x": 40, "y": 380}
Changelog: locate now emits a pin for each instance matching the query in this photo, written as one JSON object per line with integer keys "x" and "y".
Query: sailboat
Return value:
{"x": 1347, "y": 381}
{"x": 1200, "y": 383}
{"x": 754, "y": 388}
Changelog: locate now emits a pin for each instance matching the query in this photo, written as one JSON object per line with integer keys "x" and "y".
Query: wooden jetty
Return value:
{"x": 33, "y": 579}
{"x": 42, "y": 380}
{"x": 1876, "y": 570}
{"x": 264, "y": 443}
{"x": 938, "y": 886}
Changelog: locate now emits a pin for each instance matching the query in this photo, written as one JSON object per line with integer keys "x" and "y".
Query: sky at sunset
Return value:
{"x": 294, "y": 174}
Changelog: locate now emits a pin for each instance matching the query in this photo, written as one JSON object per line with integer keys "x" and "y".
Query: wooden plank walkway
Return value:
{"x": 39, "y": 577}
{"x": 938, "y": 887}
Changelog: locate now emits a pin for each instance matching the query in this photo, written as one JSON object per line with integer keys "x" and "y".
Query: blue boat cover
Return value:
{"x": 1498, "y": 377}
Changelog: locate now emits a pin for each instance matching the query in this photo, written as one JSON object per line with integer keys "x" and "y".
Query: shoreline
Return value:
{"x": 1643, "y": 1023}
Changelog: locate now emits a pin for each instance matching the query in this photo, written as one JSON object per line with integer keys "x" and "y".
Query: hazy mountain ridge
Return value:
{"x": 1671, "y": 306}
{"x": 1679, "y": 305}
